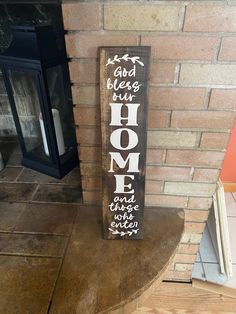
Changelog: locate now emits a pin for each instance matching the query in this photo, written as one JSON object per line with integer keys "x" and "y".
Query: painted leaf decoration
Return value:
{"x": 125, "y": 57}
{"x": 141, "y": 63}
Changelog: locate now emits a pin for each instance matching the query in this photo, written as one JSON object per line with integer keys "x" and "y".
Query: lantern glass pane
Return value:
{"x": 7, "y": 125}
{"x": 25, "y": 93}
{"x": 59, "y": 101}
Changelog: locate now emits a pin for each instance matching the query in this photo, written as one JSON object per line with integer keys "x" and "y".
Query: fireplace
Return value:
{"x": 36, "y": 77}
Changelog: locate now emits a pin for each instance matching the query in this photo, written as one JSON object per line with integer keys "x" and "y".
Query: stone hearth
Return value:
{"x": 53, "y": 258}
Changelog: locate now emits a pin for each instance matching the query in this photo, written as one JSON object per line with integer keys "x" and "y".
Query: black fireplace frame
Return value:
{"x": 34, "y": 60}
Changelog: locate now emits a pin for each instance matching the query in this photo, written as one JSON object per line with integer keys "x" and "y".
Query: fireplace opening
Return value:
{"x": 35, "y": 82}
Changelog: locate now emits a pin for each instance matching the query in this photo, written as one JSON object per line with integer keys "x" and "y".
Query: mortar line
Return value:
{"x": 182, "y": 18}
{"x": 218, "y": 48}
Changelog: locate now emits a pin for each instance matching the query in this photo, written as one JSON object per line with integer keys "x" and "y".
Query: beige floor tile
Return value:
{"x": 15, "y": 192}
{"x": 12, "y": 304}
{"x": 28, "y": 244}
{"x": 28, "y": 277}
{"x": 59, "y": 193}
{"x": 47, "y": 218}
{"x": 9, "y": 214}
{"x": 10, "y": 173}
{"x": 29, "y": 175}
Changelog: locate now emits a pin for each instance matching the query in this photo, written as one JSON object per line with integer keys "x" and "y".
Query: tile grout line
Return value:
{"x": 19, "y": 232}
{"x": 62, "y": 261}
{"x": 34, "y": 193}
{"x": 233, "y": 197}
{"x": 30, "y": 255}
{"x": 18, "y": 176}
{"x": 200, "y": 257}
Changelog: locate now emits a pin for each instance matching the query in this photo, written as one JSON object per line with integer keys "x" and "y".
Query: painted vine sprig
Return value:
{"x": 122, "y": 233}
{"x": 125, "y": 57}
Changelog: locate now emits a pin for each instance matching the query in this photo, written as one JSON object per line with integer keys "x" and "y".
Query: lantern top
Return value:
{"x": 33, "y": 43}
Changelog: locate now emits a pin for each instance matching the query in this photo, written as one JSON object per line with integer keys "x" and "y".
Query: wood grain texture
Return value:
{"x": 181, "y": 298}
{"x": 113, "y": 59}
{"x": 214, "y": 288}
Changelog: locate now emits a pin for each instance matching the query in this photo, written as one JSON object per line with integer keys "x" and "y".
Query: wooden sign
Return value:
{"x": 123, "y": 90}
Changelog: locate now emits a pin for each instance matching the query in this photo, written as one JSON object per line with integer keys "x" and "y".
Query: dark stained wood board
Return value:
{"x": 123, "y": 104}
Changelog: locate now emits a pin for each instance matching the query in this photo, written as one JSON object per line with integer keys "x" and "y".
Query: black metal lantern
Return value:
{"x": 36, "y": 76}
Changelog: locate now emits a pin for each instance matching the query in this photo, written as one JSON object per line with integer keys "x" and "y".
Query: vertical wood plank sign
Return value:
{"x": 123, "y": 90}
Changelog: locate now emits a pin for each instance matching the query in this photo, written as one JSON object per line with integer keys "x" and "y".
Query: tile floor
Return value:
{"x": 37, "y": 214}
{"x": 20, "y": 184}
{"x": 206, "y": 266}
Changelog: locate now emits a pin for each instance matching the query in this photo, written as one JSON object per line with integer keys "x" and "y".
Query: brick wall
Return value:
{"x": 192, "y": 99}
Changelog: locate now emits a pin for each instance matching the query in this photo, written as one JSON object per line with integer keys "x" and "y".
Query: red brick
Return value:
{"x": 90, "y": 153}
{"x": 202, "y": 119}
{"x": 223, "y": 99}
{"x": 92, "y": 197}
{"x": 81, "y": 16}
{"x": 86, "y": 45}
{"x": 91, "y": 183}
{"x": 168, "y": 173}
{"x": 166, "y": 200}
{"x": 88, "y": 136}
{"x": 206, "y": 175}
{"x": 86, "y": 116}
{"x": 196, "y": 215}
{"x": 85, "y": 95}
{"x": 228, "y": 49}
{"x": 177, "y": 98}
{"x": 199, "y": 203}
{"x": 162, "y": 73}
{"x": 188, "y": 248}
{"x": 90, "y": 169}
{"x": 84, "y": 72}
{"x": 181, "y": 47}
{"x": 210, "y": 19}
{"x": 153, "y": 187}
{"x": 155, "y": 156}
{"x": 195, "y": 158}
{"x": 214, "y": 140}
{"x": 158, "y": 119}
{"x": 193, "y": 227}
{"x": 185, "y": 258}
